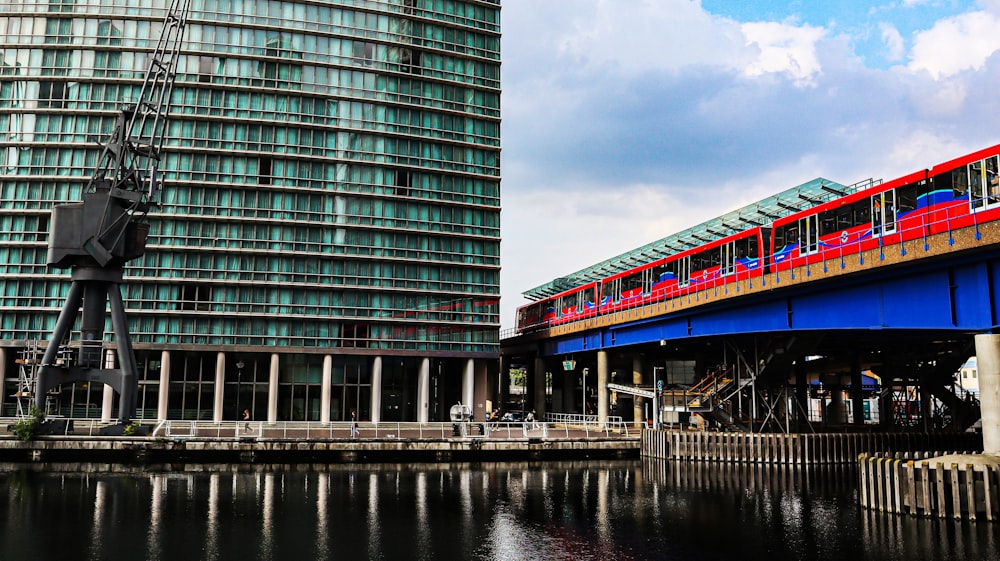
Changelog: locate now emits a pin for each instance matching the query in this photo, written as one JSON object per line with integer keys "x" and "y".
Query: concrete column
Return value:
{"x": 324, "y": 391}
{"x": 272, "y": 390}
{"x": 638, "y": 403}
{"x": 570, "y": 392}
{"x": 469, "y": 384}
{"x": 503, "y": 381}
{"x": 377, "y": 389}
{"x": 480, "y": 393}
{"x": 3, "y": 375}
{"x": 220, "y": 386}
{"x": 857, "y": 392}
{"x": 424, "y": 391}
{"x": 837, "y": 411}
{"x": 109, "y": 393}
{"x": 539, "y": 388}
{"x": 988, "y": 364}
{"x": 602, "y": 387}
{"x": 163, "y": 403}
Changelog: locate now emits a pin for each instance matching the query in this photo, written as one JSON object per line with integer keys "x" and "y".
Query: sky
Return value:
{"x": 625, "y": 121}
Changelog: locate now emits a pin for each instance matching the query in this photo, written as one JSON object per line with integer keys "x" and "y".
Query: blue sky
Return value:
{"x": 625, "y": 121}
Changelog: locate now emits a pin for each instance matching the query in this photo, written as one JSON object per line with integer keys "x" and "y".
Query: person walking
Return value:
{"x": 354, "y": 425}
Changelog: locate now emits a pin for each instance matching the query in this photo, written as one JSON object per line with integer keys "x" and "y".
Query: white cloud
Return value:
{"x": 785, "y": 49}
{"x": 893, "y": 41}
{"x": 952, "y": 45}
{"x": 651, "y": 35}
{"x": 625, "y": 122}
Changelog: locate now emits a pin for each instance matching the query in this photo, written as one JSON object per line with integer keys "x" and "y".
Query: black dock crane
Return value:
{"x": 95, "y": 237}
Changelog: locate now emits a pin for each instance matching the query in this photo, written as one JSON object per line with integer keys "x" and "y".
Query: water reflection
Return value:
{"x": 512, "y": 511}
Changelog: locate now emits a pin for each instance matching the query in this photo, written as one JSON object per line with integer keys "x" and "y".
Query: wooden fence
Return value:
{"x": 960, "y": 486}
{"x": 796, "y": 449}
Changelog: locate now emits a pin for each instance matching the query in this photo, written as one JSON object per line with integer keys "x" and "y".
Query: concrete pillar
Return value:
{"x": 539, "y": 387}
{"x": 272, "y": 389}
{"x": 988, "y": 364}
{"x": 503, "y": 383}
{"x": 569, "y": 390}
{"x": 602, "y": 387}
{"x": 109, "y": 393}
{"x": 220, "y": 386}
{"x": 424, "y": 391}
{"x": 377, "y": 390}
{"x": 163, "y": 403}
{"x": 3, "y": 375}
{"x": 801, "y": 393}
{"x": 480, "y": 384}
{"x": 325, "y": 388}
{"x": 837, "y": 411}
{"x": 857, "y": 391}
{"x": 469, "y": 385}
{"x": 638, "y": 403}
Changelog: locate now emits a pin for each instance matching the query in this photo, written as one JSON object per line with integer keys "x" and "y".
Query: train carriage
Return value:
{"x": 951, "y": 195}
{"x": 735, "y": 257}
{"x": 955, "y": 194}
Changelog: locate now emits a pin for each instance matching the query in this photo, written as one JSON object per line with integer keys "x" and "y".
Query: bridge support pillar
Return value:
{"x": 857, "y": 391}
{"x": 638, "y": 403}
{"x": 503, "y": 384}
{"x": 988, "y": 364}
{"x": 538, "y": 387}
{"x": 376, "y": 407}
{"x": 602, "y": 387}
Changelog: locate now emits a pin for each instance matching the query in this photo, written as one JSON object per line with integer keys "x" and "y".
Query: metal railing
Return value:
{"x": 341, "y": 430}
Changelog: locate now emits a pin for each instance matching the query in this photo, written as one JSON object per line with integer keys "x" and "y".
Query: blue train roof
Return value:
{"x": 762, "y": 212}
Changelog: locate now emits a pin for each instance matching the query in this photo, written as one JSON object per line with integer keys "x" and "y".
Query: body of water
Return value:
{"x": 607, "y": 511}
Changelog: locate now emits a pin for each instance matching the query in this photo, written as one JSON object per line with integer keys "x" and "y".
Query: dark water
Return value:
{"x": 550, "y": 511}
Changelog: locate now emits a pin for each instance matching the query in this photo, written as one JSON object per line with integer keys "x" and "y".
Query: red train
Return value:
{"x": 959, "y": 193}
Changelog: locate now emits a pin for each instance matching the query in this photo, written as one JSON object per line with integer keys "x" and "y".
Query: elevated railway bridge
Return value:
{"x": 868, "y": 340}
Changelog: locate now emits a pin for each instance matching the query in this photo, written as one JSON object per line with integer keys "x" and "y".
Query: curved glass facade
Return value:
{"x": 331, "y": 187}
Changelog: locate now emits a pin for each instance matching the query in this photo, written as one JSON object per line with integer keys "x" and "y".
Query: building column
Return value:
{"x": 503, "y": 383}
{"x": 638, "y": 403}
{"x": 602, "y": 387}
{"x": 163, "y": 401}
{"x": 857, "y": 391}
{"x": 324, "y": 391}
{"x": 424, "y": 391}
{"x": 988, "y": 365}
{"x": 480, "y": 384}
{"x": 220, "y": 386}
{"x": 569, "y": 389}
{"x": 377, "y": 390}
{"x": 538, "y": 387}
{"x": 272, "y": 390}
{"x": 468, "y": 384}
{"x": 3, "y": 375}
{"x": 109, "y": 392}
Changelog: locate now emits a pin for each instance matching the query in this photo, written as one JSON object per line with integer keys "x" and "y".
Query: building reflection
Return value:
{"x": 591, "y": 510}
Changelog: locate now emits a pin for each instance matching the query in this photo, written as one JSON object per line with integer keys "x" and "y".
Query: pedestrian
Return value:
{"x": 532, "y": 420}
{"x": 354, "y": 426}
{"x": 246, "y": 419}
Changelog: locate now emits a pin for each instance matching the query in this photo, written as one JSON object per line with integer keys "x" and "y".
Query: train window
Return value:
{"x": 984, "y": 183}
{"x": 862, "y": 212}
{"x": 809, "y": 234}
{"x": 727, "y": 258}
{"x": 906, "y": 196}
{"x": 828, "y": 222}
{"x": 845, "y": 218}
{"x": 884, "y": 213}
{"x": 683, "y": 271}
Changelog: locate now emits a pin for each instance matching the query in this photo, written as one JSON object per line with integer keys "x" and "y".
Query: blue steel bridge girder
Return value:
{"x": 952, "y": 296}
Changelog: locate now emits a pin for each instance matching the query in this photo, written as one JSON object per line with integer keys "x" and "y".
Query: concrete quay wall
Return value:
{"x": 147, "y": 450}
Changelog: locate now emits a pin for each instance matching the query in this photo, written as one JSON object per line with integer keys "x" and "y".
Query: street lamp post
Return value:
{"x": 239, "y": 381}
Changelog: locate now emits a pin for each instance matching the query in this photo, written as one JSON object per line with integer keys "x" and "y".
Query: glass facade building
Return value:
{"x": 329, "y": 230}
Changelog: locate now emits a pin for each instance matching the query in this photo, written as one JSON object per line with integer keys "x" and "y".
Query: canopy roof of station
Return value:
{"x": 762, "y": 212}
